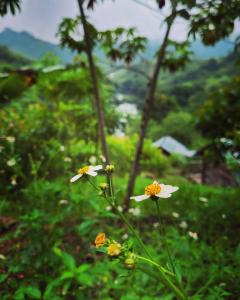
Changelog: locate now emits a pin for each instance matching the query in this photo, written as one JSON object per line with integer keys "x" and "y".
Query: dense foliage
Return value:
{"x": 49, "y": 221}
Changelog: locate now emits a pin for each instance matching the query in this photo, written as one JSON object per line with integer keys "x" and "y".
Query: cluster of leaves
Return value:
{"x": 220, "y": 114}
{"x": 122, "y": 44}
{"x": 12, "y": 5}
{"x": 43, "y": 135}
{"x": 214, "y": 20}
{"x": 9, "y": 57}
{"x": 153, "y": 161}
{"x": 219, "y": 120}
{"x": 177, "y": 56}
{"x": 119, "y": 44}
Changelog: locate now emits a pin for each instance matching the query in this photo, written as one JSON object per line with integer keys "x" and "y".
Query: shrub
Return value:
{"x": 122, "y": 149}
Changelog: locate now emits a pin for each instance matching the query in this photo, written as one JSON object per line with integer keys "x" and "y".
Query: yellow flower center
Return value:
{"x": 83, "y": 170}
{"x": 152, "y": 189}
{"x": 114, "y": 249}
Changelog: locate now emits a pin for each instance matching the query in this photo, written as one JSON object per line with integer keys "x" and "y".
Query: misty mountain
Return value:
{"x": 26, "y": 44}
{"x": 199, "y": 50}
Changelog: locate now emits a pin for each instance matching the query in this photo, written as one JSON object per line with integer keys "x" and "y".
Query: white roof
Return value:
{"x": 171, "y": 145}
{"x": 53, "y": 68}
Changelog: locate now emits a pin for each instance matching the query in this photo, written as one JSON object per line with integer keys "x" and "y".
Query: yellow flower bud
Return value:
{"x": 103, "y": 186}
{"x": 114, "y": 249}
{"x": 110, "y": 168}
{"x": 130, "y": 263}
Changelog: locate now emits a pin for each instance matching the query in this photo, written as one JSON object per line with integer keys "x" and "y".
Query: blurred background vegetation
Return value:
{"x": 49, "y": 129}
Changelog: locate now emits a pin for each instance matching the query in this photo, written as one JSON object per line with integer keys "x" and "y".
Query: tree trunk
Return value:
{"x": 93, "y": 72}
{"x": 149, "y": 102}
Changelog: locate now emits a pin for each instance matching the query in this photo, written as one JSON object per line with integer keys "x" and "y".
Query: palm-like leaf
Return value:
{"x": 9, "y": 5}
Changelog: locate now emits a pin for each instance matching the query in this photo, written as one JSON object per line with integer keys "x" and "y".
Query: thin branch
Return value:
{"x": 131, "y": 69}
{"x": 149, "y": 7}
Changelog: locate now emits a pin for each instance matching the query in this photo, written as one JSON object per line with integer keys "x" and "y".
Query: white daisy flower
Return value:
{"x": 11, "y": 162}
{"x": 67, "y": 159}
{"x": 13, "y": 180}
{"x": 88, "y": 170}
{"x": 92, "y": 159}
{"x": 135, "y": 211}
{"x": 193, "y": 235}
{"x": 63, "y": 202}
{"x": 175, "y": 215}
{"x": 183, "y": 225}
{"x": 2, "y": 257}
{"x": 156, "y": 224}
{"x": 10, "y": 139}
{"x": 156, "y": 190}
{"x": 108, "y": 208}
{"x": 203, "y": 199}
{"x": 120, "y": 208}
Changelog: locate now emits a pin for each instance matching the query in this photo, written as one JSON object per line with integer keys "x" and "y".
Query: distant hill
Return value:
{"x": 189, "y": 87}
{"x": 26, "y": 44}
{"x": 221, "y": 49}
{"x": 199, "y": 50}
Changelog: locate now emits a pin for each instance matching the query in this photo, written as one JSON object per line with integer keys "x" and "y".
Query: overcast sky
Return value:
{"x": 41, "y": 18}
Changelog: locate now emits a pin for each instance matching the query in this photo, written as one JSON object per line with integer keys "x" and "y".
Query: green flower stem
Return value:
{"x": 171, "y": 262}
{"x": 164, "y": 278}
{"x": 162, "y": 232}
{"x": 155, "y": 264}
{"x": 92, "y": 184}
{"x": 112, "y": 201}
{"x": 149, "y": 272}
{"x": 121, "y": 215}
{"x": 111, "y": 186}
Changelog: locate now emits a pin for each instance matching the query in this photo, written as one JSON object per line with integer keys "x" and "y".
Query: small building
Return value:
{"x": 169, "y": 145}
{"x": 199, "y": 169}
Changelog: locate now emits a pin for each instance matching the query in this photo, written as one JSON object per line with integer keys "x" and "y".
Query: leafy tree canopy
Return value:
{"x": 219, "y": 116}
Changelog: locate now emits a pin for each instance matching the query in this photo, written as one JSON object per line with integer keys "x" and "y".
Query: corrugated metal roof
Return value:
{"x": 171, "y": 145}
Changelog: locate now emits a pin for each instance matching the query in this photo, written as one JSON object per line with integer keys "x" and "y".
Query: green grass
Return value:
{"x": 209, "y": 264}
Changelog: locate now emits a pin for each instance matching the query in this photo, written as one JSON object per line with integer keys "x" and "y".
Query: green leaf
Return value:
{"x": 82, "y": 268}
{"x": 238, "y": 252}
{"x": 85, "y": 226}
{"x": 19, "y": 295}
{"x": 184, "y": 14}
{"x": 49, "y": 293}
{"x": 68, "y": 260}
{"x": 3, "y": 277}
{"x": 33, "y": 292}
{"x": 85, "y": 279}
{"x": 67, "y": 275}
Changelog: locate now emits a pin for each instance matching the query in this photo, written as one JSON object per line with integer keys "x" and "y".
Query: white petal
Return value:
{"x": 156, "y": 182}
{"x": 76, "y": 177}
{"x": 168, "y": 188}
{"x": 163, "y": 194}
{"x": 91, "y": 173}
{"x": 96, "y": 168}
{"x": 140, "y": 198}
